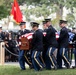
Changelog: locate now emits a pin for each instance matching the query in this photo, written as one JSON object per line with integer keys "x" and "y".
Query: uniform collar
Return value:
{"x": 63, "y": 27}
{"x": 50, "y": 26}
{"x": 36, "y": 30}
{"x": 23, "y": 30}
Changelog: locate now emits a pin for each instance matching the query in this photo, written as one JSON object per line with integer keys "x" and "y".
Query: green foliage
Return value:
{"x": 3, "y": 12}
{"x": 55, "y": 23}
{"x": 41, "y": 7}
{"x": 55, "y": 5}
{"x": 5, "y": 6}
{"x": 71, "y": 20}
{"x": 37, "y": 12}
{"x": 21, "y": 2}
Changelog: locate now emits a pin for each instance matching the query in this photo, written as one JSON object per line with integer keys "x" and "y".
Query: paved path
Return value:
{"x": 14, "y": 64}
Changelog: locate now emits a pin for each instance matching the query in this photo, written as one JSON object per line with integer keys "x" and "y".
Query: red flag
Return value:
{"x": 17, "y": 15}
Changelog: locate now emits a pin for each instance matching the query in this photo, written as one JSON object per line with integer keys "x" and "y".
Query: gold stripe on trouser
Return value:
{"x": 36, "y": 59}
{"x": 64, "y": 56}
{"x": 51, "y": 57}
{"x": 42, "y": 60}
{"x": 27, "y": 60}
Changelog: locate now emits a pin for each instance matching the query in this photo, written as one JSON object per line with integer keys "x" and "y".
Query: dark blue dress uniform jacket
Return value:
{"x": 51, "y": 37}
{"x": 23, "y": 32}
{"x": 63, "y": 38}
{"x": 37, "y": 41}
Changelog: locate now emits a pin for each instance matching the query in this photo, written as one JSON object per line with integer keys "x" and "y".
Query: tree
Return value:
{"x": 37, "y": 12}
{"x": 6, "y": 5}
{"x": 3, "y": 12}
{"x": 21, "y": 2}
{"x": 71, "y": 20}
{"x": 56, "y": 5}
{"x": 40, "y": 5}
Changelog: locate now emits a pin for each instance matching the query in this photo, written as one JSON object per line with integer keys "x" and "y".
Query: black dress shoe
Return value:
{"x": 55, "y": 68}
{"x": 68, "y": 67}
{"x": 31, "y": 67}
{"x": 73, "y": 67}
{"x": 41, "y": 69}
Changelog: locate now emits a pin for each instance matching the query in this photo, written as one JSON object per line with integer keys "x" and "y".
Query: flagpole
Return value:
{"x": 8, "y": 21}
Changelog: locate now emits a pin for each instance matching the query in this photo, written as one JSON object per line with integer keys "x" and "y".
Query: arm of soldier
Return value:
{"x": 33, "y": 40}
{"x": 28, "y": 31}
{"x": 48, "y": 34}
{"x": 62, "y": 34}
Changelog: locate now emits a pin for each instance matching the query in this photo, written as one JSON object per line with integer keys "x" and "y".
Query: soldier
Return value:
{"x": 63, "y": 45}
{"x": 74, "y": 40}
{"x": 37, "y": 47}
{"x": 74, "y": 44}
{"x": 44, "y": 42}
{"x": 51, "y": 44}
{"x": 22, "y": 56}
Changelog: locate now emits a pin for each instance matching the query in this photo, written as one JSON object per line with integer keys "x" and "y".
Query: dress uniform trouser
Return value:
{"x": 37, "y": 64}
{"x": 22, "y": 59}
{"x": 51, "y": 58}
{"x": 75, "y": 59}
{"x": 63, "y": 55}
{"x": 75, "y": 56}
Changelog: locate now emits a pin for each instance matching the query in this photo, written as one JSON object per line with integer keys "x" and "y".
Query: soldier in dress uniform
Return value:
{"x": 22, "y": 53}
{"x": 37, "y": 47}
{"x": 51, "y": 44}
{"x": 44, "y": 42}
{"x": 63, "y": 45}
{"x": 74, "y": 44}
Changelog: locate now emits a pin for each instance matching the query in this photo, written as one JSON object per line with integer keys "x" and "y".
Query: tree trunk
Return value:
{"x": 59, "y": 13}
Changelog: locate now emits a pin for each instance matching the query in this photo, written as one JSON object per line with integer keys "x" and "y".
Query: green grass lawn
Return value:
{"x": 15, "y": 70}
